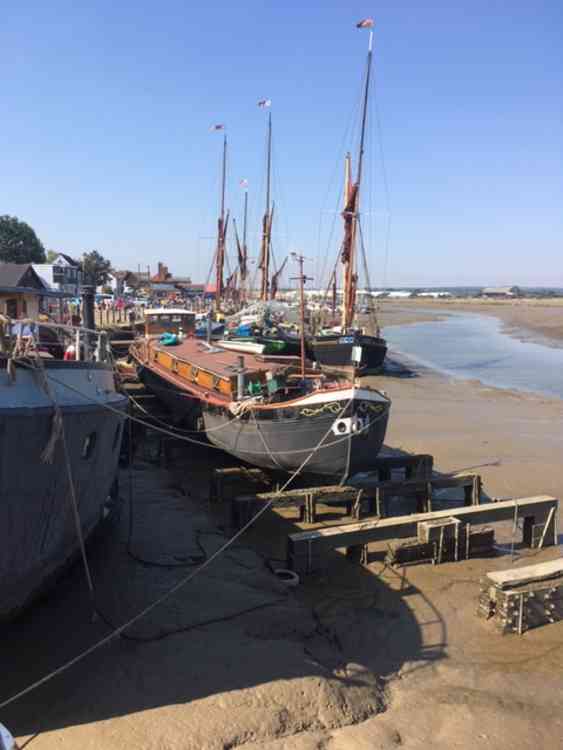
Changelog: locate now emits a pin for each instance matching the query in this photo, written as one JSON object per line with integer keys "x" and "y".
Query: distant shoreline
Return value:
{"x": 536, "y": 320}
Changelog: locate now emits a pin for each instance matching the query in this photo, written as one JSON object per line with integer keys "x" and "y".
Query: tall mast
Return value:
{"x": 348, "y": 243}
{"x": 245, "y": 220}
{"x": 221, "y": 231}
{"x": 267, "y": 221}
{"x": 244, "y": 269}
{"x": 352, "y": 203}
{"x": 302, "y": 280}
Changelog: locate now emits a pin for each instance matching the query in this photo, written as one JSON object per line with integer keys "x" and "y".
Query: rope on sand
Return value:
{"x": 149, "y": 608}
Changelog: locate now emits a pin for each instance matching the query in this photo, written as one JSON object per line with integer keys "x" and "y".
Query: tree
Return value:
{"x": 18, "y": 242}
{"x": 95, "y": 269}
{"x": 52, "y": 256}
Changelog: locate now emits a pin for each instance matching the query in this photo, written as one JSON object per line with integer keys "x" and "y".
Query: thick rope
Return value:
{"x": 58, "y": 431}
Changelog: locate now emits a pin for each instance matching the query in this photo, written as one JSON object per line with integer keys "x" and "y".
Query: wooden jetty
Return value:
{"x": 307, "y": 551}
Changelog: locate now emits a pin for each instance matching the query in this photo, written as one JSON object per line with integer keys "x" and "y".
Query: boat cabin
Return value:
{"x": 159, "y": 320}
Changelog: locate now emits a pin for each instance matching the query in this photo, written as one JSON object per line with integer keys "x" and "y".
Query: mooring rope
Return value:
{"x": 187, "y": 439}
{"x": 58, "y": 432}
{"x": 119, "y": 630}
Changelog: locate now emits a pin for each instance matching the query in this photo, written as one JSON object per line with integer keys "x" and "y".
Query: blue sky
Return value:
{"x": 106, "y": 109}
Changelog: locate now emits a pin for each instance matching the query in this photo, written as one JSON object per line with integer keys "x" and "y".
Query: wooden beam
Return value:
{"x": 305, "y": 544}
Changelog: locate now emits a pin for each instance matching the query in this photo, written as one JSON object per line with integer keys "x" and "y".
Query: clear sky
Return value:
{"x": 105, "y": 141}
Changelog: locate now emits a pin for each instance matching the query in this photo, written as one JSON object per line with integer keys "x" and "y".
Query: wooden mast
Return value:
{"x": 351, "y": 210}
{"x": 242, "y": 249}
{"x": 302, "y": 279}
{"x": 267, "y": 223}
{"x": 221, "y": 232}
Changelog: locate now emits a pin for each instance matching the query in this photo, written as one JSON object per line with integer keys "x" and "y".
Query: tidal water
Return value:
{"x": 474, "y": 347}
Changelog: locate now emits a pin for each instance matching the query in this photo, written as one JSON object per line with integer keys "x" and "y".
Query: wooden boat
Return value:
{"x": 274, "y": 413}
{"x": 263, "y": 410}
{"x": 349, "y": 347}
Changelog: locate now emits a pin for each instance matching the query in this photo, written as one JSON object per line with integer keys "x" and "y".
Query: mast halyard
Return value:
{"x": 267, "y": 223}
{"x": 351, "y": 210}
{"x": 221, "y": 234}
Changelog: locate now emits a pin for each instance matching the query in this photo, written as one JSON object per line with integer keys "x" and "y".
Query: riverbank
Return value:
{"x": 536, "y": 320}
{"x": 361, "y": 658}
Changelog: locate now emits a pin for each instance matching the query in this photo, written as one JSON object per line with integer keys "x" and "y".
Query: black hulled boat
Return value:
{"x": 349, "y": 346}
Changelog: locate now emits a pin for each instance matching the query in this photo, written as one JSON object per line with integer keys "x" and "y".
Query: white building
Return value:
{"x": 62, "y": 275}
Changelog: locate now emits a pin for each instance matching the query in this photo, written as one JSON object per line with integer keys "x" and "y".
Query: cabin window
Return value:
{"x": 88, "y": 446}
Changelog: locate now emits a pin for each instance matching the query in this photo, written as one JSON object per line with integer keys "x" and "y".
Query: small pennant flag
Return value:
{"x": 265, "y": 103}
{"x": 217, "y": 127}
{"x": 244, "y": 183}
{"x": 367, "y": 23}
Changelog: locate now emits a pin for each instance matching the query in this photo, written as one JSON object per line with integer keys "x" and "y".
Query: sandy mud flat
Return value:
{"x": 537, "y": 320}
{"x": 358, "y": 659}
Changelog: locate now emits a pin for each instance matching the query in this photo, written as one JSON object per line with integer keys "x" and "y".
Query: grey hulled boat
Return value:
{"x": 266, "y": 410}
{"x": 38, "y": 532}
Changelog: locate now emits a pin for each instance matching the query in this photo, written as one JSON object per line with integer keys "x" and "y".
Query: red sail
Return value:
{"x": 349, "y": 216}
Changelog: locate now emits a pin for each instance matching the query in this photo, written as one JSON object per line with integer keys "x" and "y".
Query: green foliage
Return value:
{"x": 52, "y": 256}
{"x": 95, "y": 269}
{"x": 18, "y": 242}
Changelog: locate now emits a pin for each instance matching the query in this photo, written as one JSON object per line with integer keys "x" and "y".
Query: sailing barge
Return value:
{"x": 263, "y": 411}
{"x": 347, "y": 346}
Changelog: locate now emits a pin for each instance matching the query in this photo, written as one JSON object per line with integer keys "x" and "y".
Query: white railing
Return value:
{"x": 20, "y": 338}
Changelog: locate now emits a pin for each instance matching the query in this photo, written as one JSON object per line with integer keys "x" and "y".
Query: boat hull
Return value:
{"x": 349, "y": 433}
{"x": 364, "y": 353}
{"x": 184, "y": 407}
{"x": 39, "y": 536}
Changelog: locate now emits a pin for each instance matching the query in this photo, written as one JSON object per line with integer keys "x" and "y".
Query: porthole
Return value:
{"x": 88, "y": 446}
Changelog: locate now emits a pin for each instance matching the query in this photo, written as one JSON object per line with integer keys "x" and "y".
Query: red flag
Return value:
{"x": 366, "y": 23}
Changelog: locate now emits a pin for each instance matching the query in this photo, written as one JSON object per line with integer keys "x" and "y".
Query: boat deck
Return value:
{"x": 220, "y": 362}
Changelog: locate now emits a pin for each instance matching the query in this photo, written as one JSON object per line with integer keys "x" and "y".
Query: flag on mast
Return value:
{"x": 217, "y": 127}
{"x": 366, "y": 23}
{"x": 265, "y": 103}
{"x": 244, "y": 183}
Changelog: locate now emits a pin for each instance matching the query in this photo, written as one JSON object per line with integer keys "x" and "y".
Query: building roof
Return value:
{"x": 69, "y": 260}
{"x": 20, "y": 275}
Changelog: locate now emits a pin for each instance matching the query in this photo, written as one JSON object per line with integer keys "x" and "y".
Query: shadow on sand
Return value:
{"x": 351, "y": 615}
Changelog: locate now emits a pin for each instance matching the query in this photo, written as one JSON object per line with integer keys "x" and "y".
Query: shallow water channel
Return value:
{"x": 474, "y": 347}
